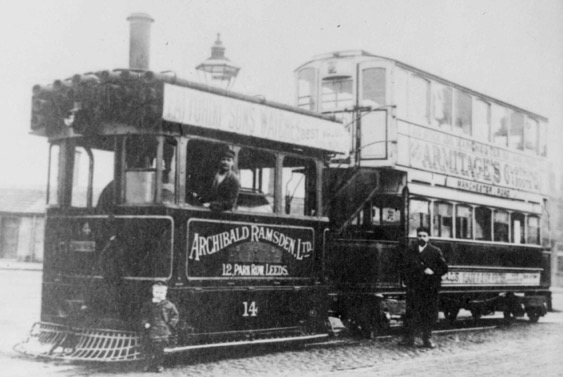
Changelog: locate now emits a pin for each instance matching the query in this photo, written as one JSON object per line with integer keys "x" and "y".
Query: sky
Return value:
{"x": 509, "y": 49}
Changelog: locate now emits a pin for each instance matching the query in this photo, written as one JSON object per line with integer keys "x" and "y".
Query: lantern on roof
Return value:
{"x": 218, "y": 70}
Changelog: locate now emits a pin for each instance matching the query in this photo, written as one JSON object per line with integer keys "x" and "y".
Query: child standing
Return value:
{"x": 159, "y": 318}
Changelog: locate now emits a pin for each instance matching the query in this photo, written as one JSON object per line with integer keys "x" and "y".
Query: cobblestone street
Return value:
{"x": 523, "y": 349}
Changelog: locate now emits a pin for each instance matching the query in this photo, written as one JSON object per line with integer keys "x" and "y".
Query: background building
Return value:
{"x": 22, "y": 221}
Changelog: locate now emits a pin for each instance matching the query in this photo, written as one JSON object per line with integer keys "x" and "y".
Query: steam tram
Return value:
{"x": 424, "y": 151}
{"x": 131, "y": 152}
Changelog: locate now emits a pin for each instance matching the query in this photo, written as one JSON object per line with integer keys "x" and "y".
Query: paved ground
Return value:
{"x": 522, "y": 349}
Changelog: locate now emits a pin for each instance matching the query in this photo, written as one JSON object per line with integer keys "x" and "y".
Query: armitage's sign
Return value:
{"x": 229, "y": 249}
{"x": 495, "y": 168}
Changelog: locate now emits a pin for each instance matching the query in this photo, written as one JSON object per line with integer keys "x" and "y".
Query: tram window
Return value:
{"x": 419, "y": 215}
{"x": 53, "y": 198}
{"x": 92, "y": 172}
{"x": 542, "y": 139}
{"x": 516, "y": 137}
{"x": 499, "y": 124}
{"x": 482, "y": 224}
{"x": 306, "y": 97}
{"x": 140, "y": 169}
{"x": 443, "y": 220}
{"x": 441, "y": 106}
{"x": 462, "y": 117}
{"x": 463, "y": 222}
{"x": 299, "y": 186}
{"x": 533, "y": 235}
{"x": 337, "y": 93}
{"x": 400, "y": 91}
{"x": 518, "y": 223}
{"x": 418, "y": 99}
{"x": 373, "y": 87}
{"x": 203, "y": 158}
{"x": 531, "y": 135}
{"x": 500, "y": 226}
{"x": 481, "y": 117}
{"x": 257, "y": 180}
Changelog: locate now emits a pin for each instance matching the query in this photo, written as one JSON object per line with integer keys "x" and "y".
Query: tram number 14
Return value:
{"x": 250, "y": 310}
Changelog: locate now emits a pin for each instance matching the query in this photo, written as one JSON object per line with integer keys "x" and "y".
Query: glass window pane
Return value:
{"x": 443, "y": 220}
{"x": 53, "y": 198}
{"x": 419, "y": 215}
{"x": 464, "y": 222}
{"x": 462, "y": 105}
{"x": 337, "y": 93}
{"x": 441, "y": 106}
{"x": 533, "y": 230}
{"x": 543, "y": 139}
{"x": 306, "y": 97}
{"x": 102, "y": 164}
{"x": 482, "y": 224}
{"x": 481, "y": 125}
{"x": 373, "y": 87}
{"x": 257, "y": 181}
{"x": 418, "y": 100}
{"x": 516, "y": 137}
{"x": 299, "y": 186}
{"x": 400, "y": 92}
{"x": 518, "y": 223}
{"x": 204, "y": 161}
{"x": 499, "y": 124}
{"x": 531, "y": 135}
{"x": 500, "y": 226}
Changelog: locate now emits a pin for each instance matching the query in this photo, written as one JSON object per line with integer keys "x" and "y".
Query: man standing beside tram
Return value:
{"x": 423, "y": 268}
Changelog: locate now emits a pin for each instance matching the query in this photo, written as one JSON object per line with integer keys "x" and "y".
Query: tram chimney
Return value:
{"x": 139, "y": 40}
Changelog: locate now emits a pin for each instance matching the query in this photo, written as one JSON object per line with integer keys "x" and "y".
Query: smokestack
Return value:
{"x": 139, "y": 40}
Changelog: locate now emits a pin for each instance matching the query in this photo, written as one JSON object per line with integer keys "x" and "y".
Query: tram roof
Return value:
{"x": 343, "y": 54}
{"x": 129, "y": 101}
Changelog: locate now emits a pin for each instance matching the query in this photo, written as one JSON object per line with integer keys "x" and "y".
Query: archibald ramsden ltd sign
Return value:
{"x": 233, "y": 249}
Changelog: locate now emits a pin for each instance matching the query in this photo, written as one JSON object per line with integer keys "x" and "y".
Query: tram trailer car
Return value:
{"x": 132, "y": 151}
{"x": 423, "y": 151}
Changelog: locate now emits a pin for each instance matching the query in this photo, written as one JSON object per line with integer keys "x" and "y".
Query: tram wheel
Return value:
{"x": 509, "y": 317}
{"x": 533, "y": 316}
{"x": 476, "y": 314}
{"x": 451, "y": 314}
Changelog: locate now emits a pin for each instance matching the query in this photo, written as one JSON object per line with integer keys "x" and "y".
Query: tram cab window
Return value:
{"x": 307, "y": 89}
{"x": 533, "y": 234}
{"x": 462, "y": 106}
{"x": 441, "y": 106}
{"x": 443, "y": 220}
{"x": 499, "y": 125}
{"x": 373, "y": 87}
{"x": 531, "y": 135}
{"x": 143, "y": 165}
{"x": 203, "y": 158}
{"x": 419, "y": 215}
{"x": 257, "y": 180}
{"x": 299, "y": 186}
{"x": 386, "y": 216}
{"x": 463, "y": 222}
{"x": 89, "y": 164}
{"x": 501, "y": 226}
{"x": 518, "y": 225}
{"x": 516, "y": 137}
{"x": 482, "y": 224}
{"x": 337, "y": 93}
{"x": 53, "y": 187}
{"x": 419, "y": 100}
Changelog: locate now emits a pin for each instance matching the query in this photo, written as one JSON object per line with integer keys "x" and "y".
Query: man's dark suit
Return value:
{"x": 422, "y": 289}
{"x": 224, "y": 195}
